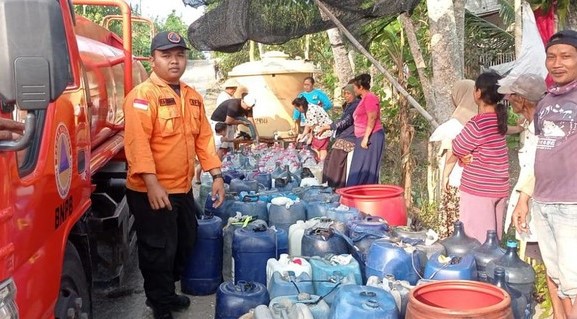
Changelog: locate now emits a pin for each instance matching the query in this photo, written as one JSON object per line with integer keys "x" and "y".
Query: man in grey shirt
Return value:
{"x": 554, "y": 206}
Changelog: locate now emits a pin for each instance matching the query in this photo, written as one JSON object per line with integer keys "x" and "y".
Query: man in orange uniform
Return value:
{"x": 166, "y": 128}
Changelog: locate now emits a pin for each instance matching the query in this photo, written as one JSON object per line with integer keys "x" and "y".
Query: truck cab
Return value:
{"x": 64, "y": 222}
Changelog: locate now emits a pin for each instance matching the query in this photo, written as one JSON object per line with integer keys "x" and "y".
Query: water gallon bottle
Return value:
{"x": 459, "y": 243}
{"x": 287, "y": 284}
{"x": 234, "y": 223}
{"x": 316, "y": 193}
{"x": 398, "y": 259}
{"x": 519, "y": 303}
{"x": 322, "y": 239}
{"x": 355, "y": 301}
{"x": 318, "y": 307}
{"x": 399, "y": 289}
{"x": 203, "y": 271}
{"x": 281, "y": 311}
{"x": 487, "y": 252}
{"x": 264, "y": 179}
{"x": 252, "y": 247}
{"x": 285, "y": 263}
{"x": 519, "y": 274}
{"x": 283, "y": 212}
{"x": 250, "y": 205}
{"x": 441, "y": 267}
{"x": 234, "y": 300}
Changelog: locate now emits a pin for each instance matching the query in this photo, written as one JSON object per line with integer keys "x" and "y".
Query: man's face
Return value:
{"x": 561, "y": 63}
{"x": 516, "y": 102}
{"x": 169, "y": 64}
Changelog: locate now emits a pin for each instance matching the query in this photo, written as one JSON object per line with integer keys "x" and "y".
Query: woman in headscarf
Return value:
{"x": 465, "y": 109}
{"x": 338, "y": 160}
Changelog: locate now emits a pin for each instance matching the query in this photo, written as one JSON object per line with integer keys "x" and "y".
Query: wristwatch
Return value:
{"x": 215, "y": 176}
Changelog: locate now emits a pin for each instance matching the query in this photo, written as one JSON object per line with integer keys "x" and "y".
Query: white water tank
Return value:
{"x": 275, "y": 81}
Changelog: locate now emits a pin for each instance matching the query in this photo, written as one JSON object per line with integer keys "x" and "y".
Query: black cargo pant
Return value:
{"x": 165, "y": 238}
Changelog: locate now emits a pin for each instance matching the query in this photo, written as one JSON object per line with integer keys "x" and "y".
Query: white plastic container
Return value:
{"x": 296, "y": 232}
{"x": 284, "y": 264}
{"x": 283, "y": 311}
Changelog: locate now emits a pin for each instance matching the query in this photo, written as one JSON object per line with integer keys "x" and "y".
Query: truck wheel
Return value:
{"x": 74, "y": 298}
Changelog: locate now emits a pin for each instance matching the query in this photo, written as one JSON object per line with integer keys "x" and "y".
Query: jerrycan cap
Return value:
{"x": 511, "y": 244}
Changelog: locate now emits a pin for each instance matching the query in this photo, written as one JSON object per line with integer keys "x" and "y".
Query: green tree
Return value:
{"x": 173, "y": 22}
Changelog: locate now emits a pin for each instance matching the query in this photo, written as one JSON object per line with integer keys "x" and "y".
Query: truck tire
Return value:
{"x": 74, "y": 298}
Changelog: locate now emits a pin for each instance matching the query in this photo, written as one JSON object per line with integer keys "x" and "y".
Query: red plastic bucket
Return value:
{"x": 386, "y": 201}
{"x": 448, "y": 299}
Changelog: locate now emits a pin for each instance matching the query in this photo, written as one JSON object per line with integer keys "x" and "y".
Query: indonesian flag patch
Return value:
{"x": 140, "y": 104}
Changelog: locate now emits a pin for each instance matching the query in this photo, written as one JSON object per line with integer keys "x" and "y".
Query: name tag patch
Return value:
{"x": 194, "y": 102}
{"x": 166, "y": 101}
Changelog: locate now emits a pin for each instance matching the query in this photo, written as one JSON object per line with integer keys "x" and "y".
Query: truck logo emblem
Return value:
{"x": 62, "y": 160}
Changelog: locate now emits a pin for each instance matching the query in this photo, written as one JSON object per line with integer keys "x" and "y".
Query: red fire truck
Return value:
{"x": 64, "y": 222}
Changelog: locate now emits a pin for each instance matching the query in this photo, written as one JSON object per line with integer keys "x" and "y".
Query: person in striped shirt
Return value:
{"x": 482, "y": 150}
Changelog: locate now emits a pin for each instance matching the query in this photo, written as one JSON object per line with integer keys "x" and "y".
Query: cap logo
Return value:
{"x": 173, "y": 37}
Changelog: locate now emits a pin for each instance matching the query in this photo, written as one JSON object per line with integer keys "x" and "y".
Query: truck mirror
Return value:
{"x": 34, "y": 56}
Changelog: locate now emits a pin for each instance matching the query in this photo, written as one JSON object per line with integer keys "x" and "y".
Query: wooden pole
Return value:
{"x": 378, "y": 65}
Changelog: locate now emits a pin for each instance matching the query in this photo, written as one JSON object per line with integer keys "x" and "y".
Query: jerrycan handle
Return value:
{"x": 244, "y": 286}
{"x": 259, "y": 228}
{"x": 250, "y": 198}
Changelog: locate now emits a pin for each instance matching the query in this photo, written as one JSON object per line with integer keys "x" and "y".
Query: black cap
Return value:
{"x": 563, "y": 37}
{"x": 167, "y": 40}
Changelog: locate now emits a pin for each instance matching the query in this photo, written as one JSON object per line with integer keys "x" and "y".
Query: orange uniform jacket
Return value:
{"x": 164, "y": 133}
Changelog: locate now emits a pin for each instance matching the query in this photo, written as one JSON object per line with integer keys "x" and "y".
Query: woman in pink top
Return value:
{"x": 485, "y": 179}
{"x": 369, "y": 133}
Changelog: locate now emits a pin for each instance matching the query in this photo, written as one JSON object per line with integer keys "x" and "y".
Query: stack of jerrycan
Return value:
{"x": 459, "y": 244}
{"x": 486, "y": 253}
{"x": 401, "y": 260}
{"x": 518, "y": 274}
{"x": 441, "y": 267}
{"x": 318, "y": 307}
{"x": 203, "y": 271}
{"x": 234, "y": 300}
{"x": 297, "y": 231}
{"x": 283, "y": 212}
{"x": 399, "y": 289}
{"x": 234, "y": 223}
{"x": 281, "y": 311}
{"x": 363, "y": 232}
{"x": 332, "y": 272}
{"x": 519, "y": 303}
{"x": 356, "y": 301}
{"x": 252, "y": 247}
{"x": 324, "y": 238}
{"x": 288, "y": 276}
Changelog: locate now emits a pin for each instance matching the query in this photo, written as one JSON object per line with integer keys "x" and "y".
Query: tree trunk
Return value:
{"x": 343, "y": 68}
{"x": 447, "y": 60}
{"x": 419, "y": 61}
{"x": 447, "y": 55}
{"x": 572, "y": 15}
{"x": 459, "y": 6}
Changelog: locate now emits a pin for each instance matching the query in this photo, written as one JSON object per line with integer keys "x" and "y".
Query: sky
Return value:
{"x": 162, "y": 8}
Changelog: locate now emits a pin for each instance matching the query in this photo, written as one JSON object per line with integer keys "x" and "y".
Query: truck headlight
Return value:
{"x": 8, "y": 307}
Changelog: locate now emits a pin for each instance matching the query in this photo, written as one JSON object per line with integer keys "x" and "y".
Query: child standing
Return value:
{"x": 482, "y": 148}
{"x": 316, "y": 117}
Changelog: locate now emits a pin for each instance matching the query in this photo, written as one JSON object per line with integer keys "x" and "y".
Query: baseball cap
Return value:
{"x": 528, "y": 85}
{"x": 563, "y": 37}
{"x": 167, "y": 40}
{"x": 249, "y": 100}
{"x": 230, "y": 83}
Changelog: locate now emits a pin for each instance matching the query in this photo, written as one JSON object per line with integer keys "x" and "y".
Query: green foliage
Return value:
{"x": 174, "y": 23}
{"x": 542, "y": 296}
